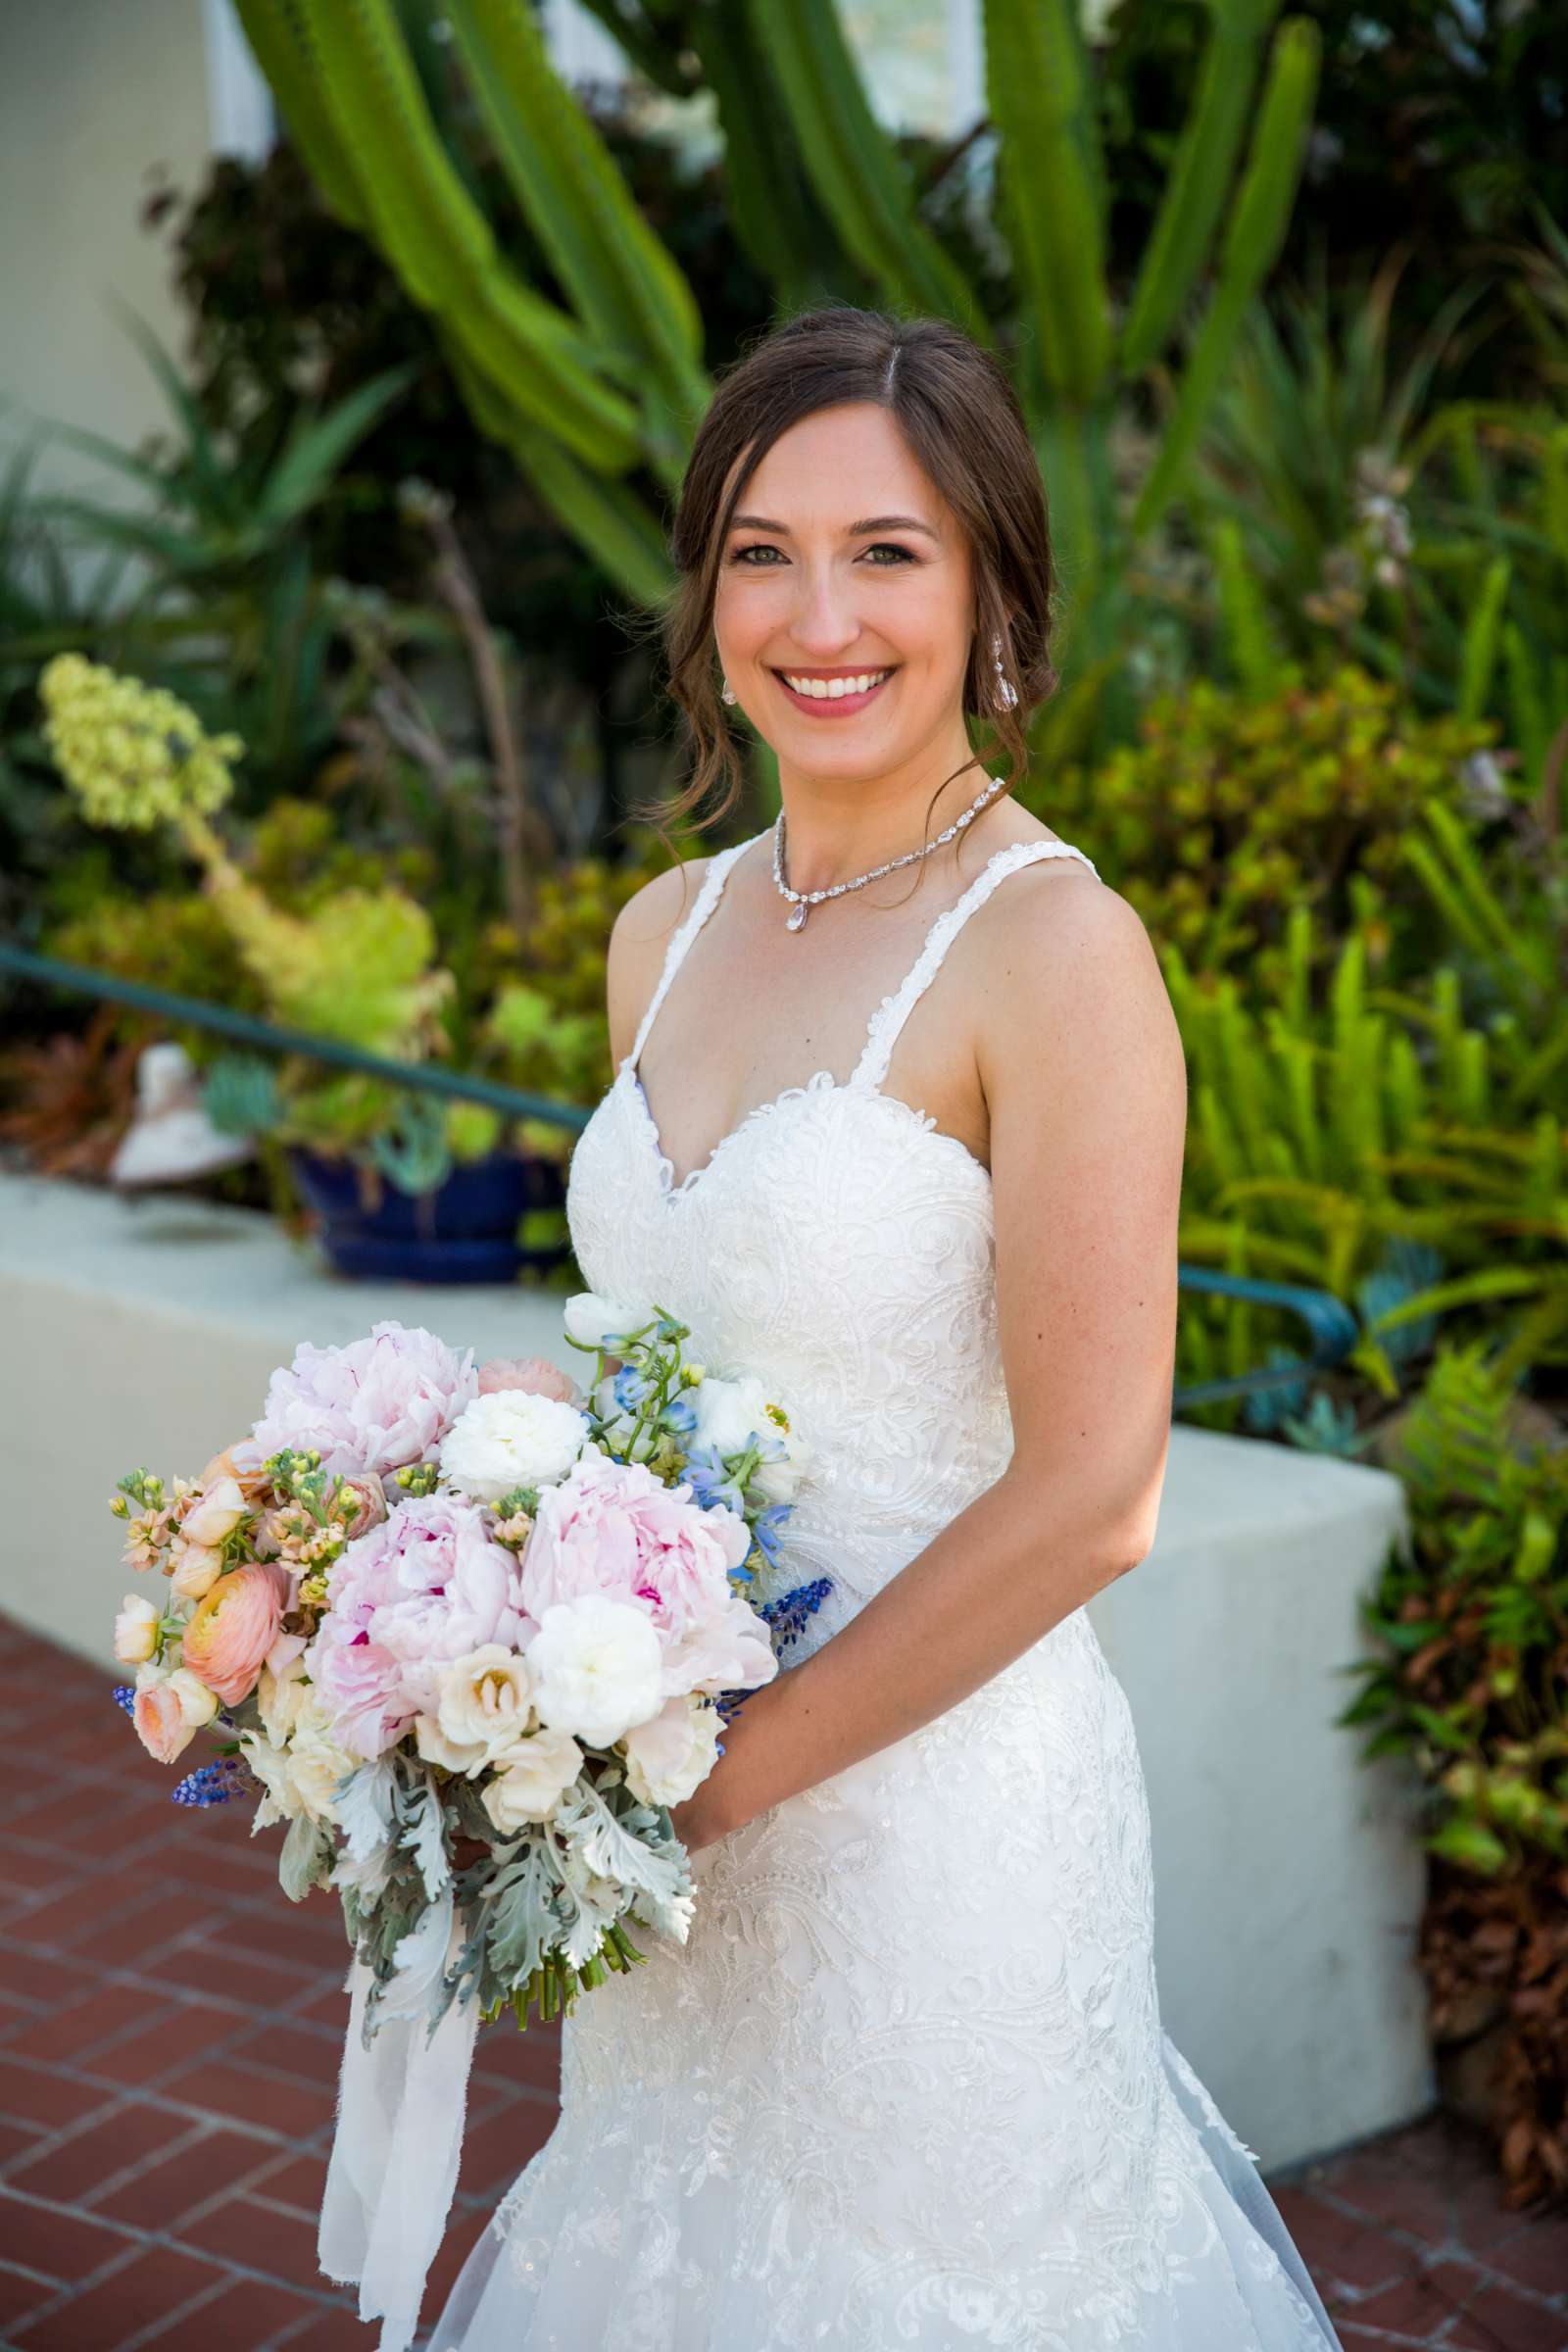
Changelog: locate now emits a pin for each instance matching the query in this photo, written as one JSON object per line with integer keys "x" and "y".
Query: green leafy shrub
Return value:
{"x": 1232, "y": 809}
{"x": 1322, "y": 1132}
{"x": 1470, "y": 1686}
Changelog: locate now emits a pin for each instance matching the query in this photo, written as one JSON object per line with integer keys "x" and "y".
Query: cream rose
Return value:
{"x": 464, "y": 1756}
{"x": 216, "y": 1515}
{"x": 136, "y": 1630}
{"x": 316, "y": 1763}
{"x": 672, "y": 1755}
{"x": 197, "y": 1704}
{"x": 487, "y": 1698}
{"x": 534, "y": 1775}
{"x": 196, "y": 1570}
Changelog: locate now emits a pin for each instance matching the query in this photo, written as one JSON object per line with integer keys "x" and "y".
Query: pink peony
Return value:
{"x": 426, "y": 1587}
{"x": 535, "y": 1373}
{"x": 613, "y": 1528}
{"x": 233, "y": 1630}
{"x": 372, "y": 1406}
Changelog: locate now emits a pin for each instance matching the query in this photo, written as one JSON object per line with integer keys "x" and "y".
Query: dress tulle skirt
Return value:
{"x": 906, "y": 2086}
{"x": 678, "y": 2278}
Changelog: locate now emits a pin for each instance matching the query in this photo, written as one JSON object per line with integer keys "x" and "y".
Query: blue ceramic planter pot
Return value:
{"x": 465, "y": 1229}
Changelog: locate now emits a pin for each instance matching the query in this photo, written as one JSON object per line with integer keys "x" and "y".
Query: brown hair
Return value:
{"x": 961, "y": 420}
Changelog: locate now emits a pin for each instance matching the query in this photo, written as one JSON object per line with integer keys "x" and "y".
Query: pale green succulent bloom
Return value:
{"x": 135, "y": 755}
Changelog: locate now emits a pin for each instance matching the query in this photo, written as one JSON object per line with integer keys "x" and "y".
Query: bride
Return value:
{"x": 897, "y": 1123}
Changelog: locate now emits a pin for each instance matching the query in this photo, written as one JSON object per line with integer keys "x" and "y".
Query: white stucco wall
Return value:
{"x": 94, "y": 96}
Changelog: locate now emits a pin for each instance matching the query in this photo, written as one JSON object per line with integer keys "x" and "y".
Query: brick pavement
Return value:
{"x": 170, "y": 2030}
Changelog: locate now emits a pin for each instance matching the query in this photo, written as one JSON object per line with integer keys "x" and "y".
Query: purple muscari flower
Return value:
{"x": 786, "y": 1620}
{"x": 123, "y": 1695}
{"x": 213, "y": 1784}
{"x": 786, "y": 1617}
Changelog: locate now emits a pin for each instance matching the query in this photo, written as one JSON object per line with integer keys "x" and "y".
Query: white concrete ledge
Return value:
{"x": 1288, "y": 1885}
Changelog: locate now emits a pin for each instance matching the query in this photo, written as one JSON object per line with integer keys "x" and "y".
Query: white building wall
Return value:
{"x": 96, "y": 97}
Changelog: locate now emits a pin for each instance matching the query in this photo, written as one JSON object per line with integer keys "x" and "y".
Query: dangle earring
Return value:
{"x": 1005, "y": 690}
{"x": 726, "y": 692}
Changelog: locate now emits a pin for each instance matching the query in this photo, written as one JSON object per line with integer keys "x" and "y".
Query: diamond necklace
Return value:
{"x": 803, "y": 901}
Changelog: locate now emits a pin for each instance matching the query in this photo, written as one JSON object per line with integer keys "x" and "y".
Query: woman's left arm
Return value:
{"x": 1085, "y": 1081}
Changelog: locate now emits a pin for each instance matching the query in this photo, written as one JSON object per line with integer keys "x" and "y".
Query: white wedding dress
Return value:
{"x": 907, "y": 2084}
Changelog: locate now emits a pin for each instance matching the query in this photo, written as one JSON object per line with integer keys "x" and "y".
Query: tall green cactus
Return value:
{"x": 585, "y": 395}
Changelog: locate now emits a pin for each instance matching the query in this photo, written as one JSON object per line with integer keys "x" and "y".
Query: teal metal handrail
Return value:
{"x": 1331, "y": 1327}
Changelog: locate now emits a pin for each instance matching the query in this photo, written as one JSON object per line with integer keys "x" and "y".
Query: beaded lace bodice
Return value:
{"x": 839, "y": 1239}
{"x": 906, "y": 2086}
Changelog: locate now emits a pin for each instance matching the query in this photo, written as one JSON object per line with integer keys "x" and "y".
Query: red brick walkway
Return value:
{"x": 170, "y": 2030}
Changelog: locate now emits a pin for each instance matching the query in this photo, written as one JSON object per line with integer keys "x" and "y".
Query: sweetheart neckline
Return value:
{"x": 820, "y": 1082}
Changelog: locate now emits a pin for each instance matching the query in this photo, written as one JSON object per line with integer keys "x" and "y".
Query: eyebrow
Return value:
{"x": 856, "y": 530}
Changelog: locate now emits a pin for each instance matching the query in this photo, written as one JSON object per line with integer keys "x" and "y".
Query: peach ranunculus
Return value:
{"x": 241, "y": 1461}
{"x": 228, "y": 1640}
{"x": 535, "y": 1373}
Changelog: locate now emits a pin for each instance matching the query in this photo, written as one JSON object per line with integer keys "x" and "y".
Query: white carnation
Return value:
{"x": 598, "y": 1667}
{"x": 672, "y": 1755}
{"x": 511, "y": 1437}
{"x": 533, "y": 1776}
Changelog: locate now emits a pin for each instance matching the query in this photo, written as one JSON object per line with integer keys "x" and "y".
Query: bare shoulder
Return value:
{"x": 639, "y": 939}
{"x": 1064, "y": 971}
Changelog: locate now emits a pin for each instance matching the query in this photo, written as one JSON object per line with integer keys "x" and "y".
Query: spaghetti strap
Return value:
{"x": 706, "y": 899}
{"x": 893, "y": 1011}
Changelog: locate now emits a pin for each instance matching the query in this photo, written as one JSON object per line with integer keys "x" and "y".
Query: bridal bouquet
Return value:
{"x": 428, "y": 1601}
{"x": 431, "y": 1602}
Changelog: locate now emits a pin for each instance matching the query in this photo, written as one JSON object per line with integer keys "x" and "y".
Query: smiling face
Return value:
{"x": 844, "y": 613}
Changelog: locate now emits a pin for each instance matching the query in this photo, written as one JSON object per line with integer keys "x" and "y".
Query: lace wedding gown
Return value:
{"x": 907, "y": 2084}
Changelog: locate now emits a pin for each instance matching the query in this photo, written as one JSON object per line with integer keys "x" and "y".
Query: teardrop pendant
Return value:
{"x": 794, "y": 920}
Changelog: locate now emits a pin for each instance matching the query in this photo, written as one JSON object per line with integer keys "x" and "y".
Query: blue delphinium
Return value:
{"x": 711, "y": 1482}
{"x": 768, "y": 1529}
